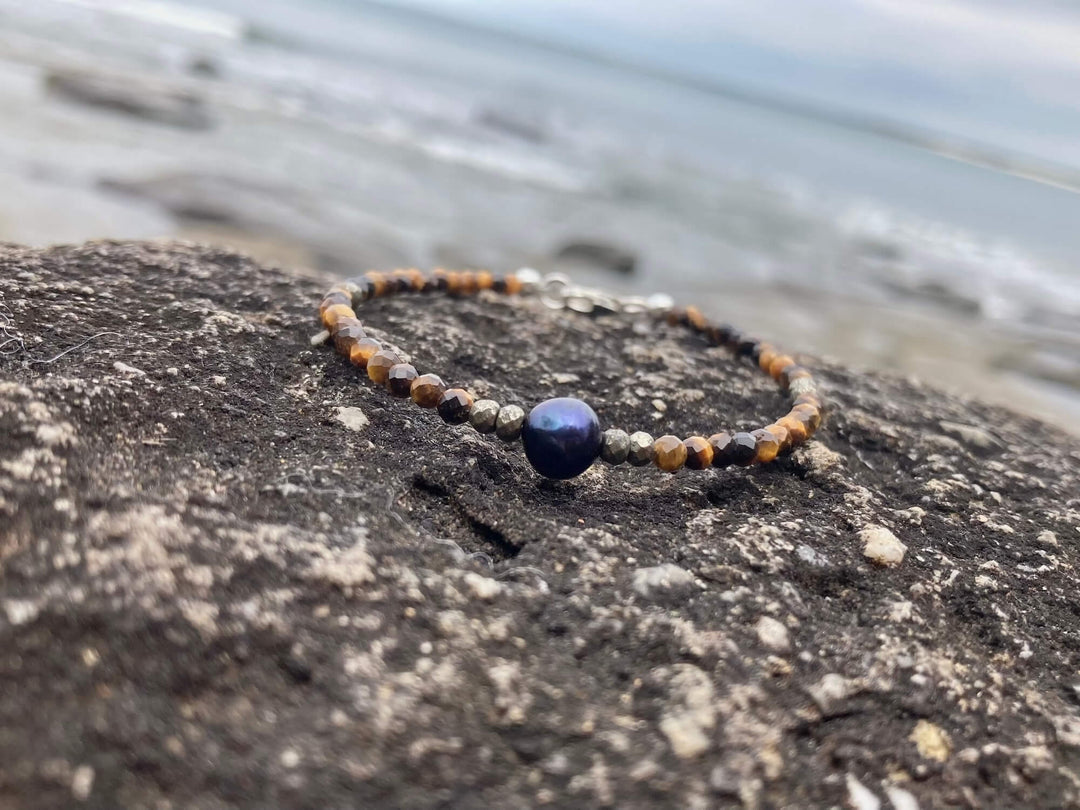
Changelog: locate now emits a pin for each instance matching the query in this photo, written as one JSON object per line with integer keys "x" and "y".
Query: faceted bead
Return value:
{"x": 380, "y": 283}
{"x": 453, "y": 282}
{"x": 791, "y": 373}
{"x": 812, "y": 399}
{"x": 513, "y": 285}
{"x": 440, "y": 277}
{"x": 615, "y": 446}
{"x": 722, "y": 449}
{"x": 417, "y": 280}
{"x": 743, "y": 449}
{"x": 767, "y": 355}
{"x": 483, "y": 415}
{"x": 797, "y": 431}
{"x": 696, "y": 319}
{"x": 641, "y": 449}
{"x": 499, "y": 285}
{"x": 363, "y": 350}
{"x": 782, "y": 435}
{"x": 778, "y": 364}
{"x": 670, "y": 453}
{"x": 335, "y": 297}
{"x": 454, "y": 405}
{"x": 802, "y": 385}
{"x": 767, "y": 446}
{"x": 484, "y": 280}
{"x": 509, "y": 422}
{"x": 808, "y": 415}
{"x": 747, "y": 347}
{"x": 400, "y": 379}
{"x": 426, "y": 390}
{"x": 562, "y": 437}
{"x": 347, "y": 333}
{"x": 332, "y": 313}
{"x": 468, "y": 283}
{"x": 378, "y": 367}
{"x": 699, "y": 453}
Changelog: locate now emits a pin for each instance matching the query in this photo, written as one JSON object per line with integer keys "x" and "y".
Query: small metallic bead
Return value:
{"x": 803, "y": 385}
{"x": 483, "y": 415}
{"x": 615, "y": 446}
{"x": 509, "y": 422}
{"x": 641, "y": 449}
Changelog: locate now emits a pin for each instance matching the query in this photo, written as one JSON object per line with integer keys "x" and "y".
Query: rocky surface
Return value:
{"x": 233, "y": 574}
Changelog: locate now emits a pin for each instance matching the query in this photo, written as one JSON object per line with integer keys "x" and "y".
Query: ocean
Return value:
{"x": 338, "y": 136}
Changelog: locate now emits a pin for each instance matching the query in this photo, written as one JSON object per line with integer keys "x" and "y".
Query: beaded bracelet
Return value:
{"x": 562, "y": 437}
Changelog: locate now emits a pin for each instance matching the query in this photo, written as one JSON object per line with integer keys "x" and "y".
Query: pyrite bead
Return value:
{"x": 669, "y": 453}
{"x": 641, "y": 449}
{"x": 483, "y": 415}
{"x": 378, "y": 367}
{"x": 766, "y": 446}
{"x": 802, "y": 385}
{"x": 400, "y": 379}
{"x": 699, "y": 453}
{"x": 508, "y": 423}
{"x": 615, "y": 446}
{"x": 363, "y": 350}
{"x": 454, "y": 406}
{"x": 743, "y": 449}
{"x": 426, "y": 390}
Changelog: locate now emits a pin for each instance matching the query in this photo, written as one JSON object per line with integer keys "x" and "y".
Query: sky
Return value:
{"x": 1001, "y": 73}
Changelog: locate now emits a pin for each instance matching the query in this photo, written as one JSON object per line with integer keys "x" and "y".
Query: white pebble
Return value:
{"x": 882, "y": 546}
{"x": 773, "y": 634}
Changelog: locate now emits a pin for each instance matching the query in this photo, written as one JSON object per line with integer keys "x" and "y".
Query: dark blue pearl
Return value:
{"x": 561, "y": 437}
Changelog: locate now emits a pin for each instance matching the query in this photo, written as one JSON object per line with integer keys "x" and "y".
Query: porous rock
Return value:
{"x": 224, "y": 595}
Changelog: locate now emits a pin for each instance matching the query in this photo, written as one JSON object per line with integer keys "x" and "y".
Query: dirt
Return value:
{"x": 234, "y": 574}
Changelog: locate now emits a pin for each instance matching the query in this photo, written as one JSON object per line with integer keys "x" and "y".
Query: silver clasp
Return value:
{"x": 557, "y": 292}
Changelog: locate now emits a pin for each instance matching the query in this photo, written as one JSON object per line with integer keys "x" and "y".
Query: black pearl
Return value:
{"x": 562, "y": 437}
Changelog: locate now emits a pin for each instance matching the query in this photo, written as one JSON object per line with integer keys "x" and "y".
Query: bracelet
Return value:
{"x": 562, "y": 437}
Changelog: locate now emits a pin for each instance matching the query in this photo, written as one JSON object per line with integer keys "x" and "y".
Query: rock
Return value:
{"x": 351, "y": 417}
{"x": 976, "y": 438}
{"x": 218, "y": 594}
{"x": 141, "y": 99}
{"x": 882, "y": 546}
{"x": 662, "y": 581}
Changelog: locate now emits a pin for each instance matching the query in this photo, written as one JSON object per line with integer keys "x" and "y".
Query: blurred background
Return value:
{"x": 889, "y": 182}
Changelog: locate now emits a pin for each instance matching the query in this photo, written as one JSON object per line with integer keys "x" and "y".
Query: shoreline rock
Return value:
{"x": 221, "y": 586}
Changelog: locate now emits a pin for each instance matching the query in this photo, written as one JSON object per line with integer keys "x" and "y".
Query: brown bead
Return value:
{"x": 362, "y": 351}
{"x": 347, "y": 332}
{"x": 454, "y": 406}
{"x": 721, "y": 445}
{"x": 468, "y": 283}
{"x": 335, "y": 297}
{"x": 484, "y": 280}
{"x": 669, "y": 453}
{"x": 400, "y": 379}
{"x": 675, "y": 316}
{"x": 809, "y": 399}
{"x": 699, "y": 453}
{"x": 453, "y": 282}
{"x": 808, "y": 415}
{"x": 778, "y": 364}
{"x": 513, "y": 285}
{"x": 797, "y": 431}
{"x": 743, "y": 449}
{"x": 379, "y": 365}
{"x": 782, "y": 435}
{"x": 417, "y": 280}
{"x": 427, "y": 389}
{"x": 379, "y": 283}
{"x": 696, "y": 319}
{"x": 767, "y": 446}
{"x": 767, "y": 355}
{"x": 335, "y": 312}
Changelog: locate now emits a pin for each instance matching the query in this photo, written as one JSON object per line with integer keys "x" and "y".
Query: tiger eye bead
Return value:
{"x": 808, "y": 415}
{"x": 380, "y": 284}
{"x": 454, "y": 406}
{"x": 797, "y": 431}
{"x": 696, "y": 319}
{"x": 767, "y": 446}
{"x": 484, "y": 280}
{"x": 743, "y": 449}
{"x": 766, "y": 356}
{"x": 699, "y": 453}
{"x": 453, "y": 282}
{"x": 399, "y": 379}
{"x": 378, "y": 367}
{"x": 778, "y": 364}
{"x": 347, "y": 332}
{"x": 417, "y": 280}
{"x": 334, "y": 313}
{"x": 669, "y": 452}
{"x": 335, "y": 297}
{"x": 363, "y": 350}
{"x": 468, "y": 283}
{"x": 426, "y": 390}
{"x": 782, "y": 435}
{"x": 722, "y": 449}
{"x": 514, "y": 285}
{"x": 641, "y": 449}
